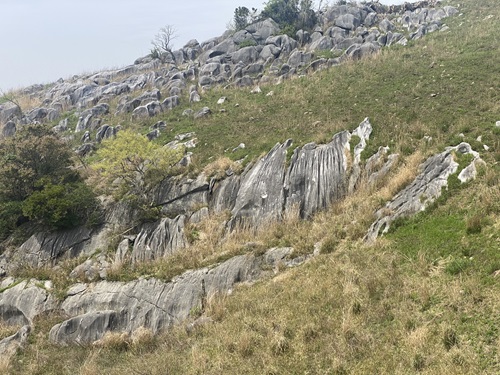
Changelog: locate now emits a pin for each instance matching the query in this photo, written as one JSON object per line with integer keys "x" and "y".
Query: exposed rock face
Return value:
{"x": 44, "y": 249}
{"x": 9, "y": 345}
{"x": 317, "y": 175}
{"x": 261, "y": 196}
{"x": 115, "y": 306}
{"x": 159, "y": 239}
{"x": 423, "y": 191}
{"x": 20, "y": 303}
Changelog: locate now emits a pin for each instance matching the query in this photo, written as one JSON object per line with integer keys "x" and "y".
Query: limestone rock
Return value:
{"x": 86, "y": 328}
{"x": 260, "y": 197}
{"x": 22, "y": 302}
{"x": 105, "y": 306}
{"x": 316, "y": 175}
{"x": 424, "y": 190}
{"x": 10, "y": 345}
{"x": 159, "y": 239}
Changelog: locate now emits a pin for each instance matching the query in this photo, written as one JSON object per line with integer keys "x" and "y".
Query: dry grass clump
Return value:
{"x": 220, "y": 168}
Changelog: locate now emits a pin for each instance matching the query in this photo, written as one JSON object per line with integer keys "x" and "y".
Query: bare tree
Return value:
{"x": 162, "y": 41}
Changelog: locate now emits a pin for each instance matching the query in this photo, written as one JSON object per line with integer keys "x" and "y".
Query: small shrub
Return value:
{"x": 329, "y": 245}
{"x": 474, "y": 224}
{"x": 247, "y": 43}
{"x": 456, "y": 266}
{"x": 450, "y": 338}
{"x": 418, "y": 362}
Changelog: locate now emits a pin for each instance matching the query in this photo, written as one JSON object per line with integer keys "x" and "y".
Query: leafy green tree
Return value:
{"x": 291, "y": 15}
{"x": 133, "y": 165}
{"x": 241, "y": 18}
{"x": 32, "y": 154}
{"x": 38, "y": 183}
{"x": 62, "y": 206}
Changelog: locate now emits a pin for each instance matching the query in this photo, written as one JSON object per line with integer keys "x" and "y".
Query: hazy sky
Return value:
{"x": 44, "y": 40}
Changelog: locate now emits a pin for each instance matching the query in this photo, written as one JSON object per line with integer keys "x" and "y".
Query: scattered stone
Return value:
{"x": 222, "y": 100}
{"x": 241, "y": 146}
{"x": 256, "y": 90}
{"x": 181, "y": 137}
{"x": 205, "y": 111}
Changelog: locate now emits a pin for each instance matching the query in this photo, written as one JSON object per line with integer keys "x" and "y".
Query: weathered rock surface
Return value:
{"x": 317, "y": 175}
{"x": 115, "y": 306}
{"x": 160, "y": 239}
{"x": 45, "y": 249}
{"x": 10, "y": 345}
{"x": 21, "y": 302}
{"x": 423, "y": 191}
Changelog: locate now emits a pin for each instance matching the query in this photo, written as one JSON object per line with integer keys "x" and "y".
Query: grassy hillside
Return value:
{"x": 423, "y": 299}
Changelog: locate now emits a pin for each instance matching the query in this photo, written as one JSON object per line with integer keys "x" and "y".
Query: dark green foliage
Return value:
{"x": 61, "y": 206}
{"x": 34, "y": 153}
{"x": 291, "y": 15}
{"x": 37, "y": 183}
{"x": 241, "y": 18}
{"x": 10, "y": 213}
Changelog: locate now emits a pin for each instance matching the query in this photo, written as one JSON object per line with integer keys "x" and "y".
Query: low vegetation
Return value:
{"x": 423, "y": 299}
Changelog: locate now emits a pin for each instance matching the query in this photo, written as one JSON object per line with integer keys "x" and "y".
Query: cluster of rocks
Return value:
{"x": 316, "y": 176}
{"x": 258, "y": 54}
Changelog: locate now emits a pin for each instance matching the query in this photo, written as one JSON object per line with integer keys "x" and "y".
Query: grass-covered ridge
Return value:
{"x": 423, "y": 299}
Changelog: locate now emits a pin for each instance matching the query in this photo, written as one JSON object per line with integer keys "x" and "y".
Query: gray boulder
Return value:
{"x": 61, "y": 127}
{"x": 263, "y": 29}
{"x": 8, "y": 130}
{"x": 9, "y": 111}
{"x": 299, "y": 58}
{"x": 194, "y": 97}
{"x": 358, "y": 52}
{"x": 322, "y": 44}
{"x": 85, "y": 149}
{"x": 385, "y": 25}
{"x": 23, "y": 301}
{"x": 270, "y": 51}
{"x": 10, "y": 345}
{"x": 260, "y": 197}
{"x": 171, "y": 102}
{"x": 347, "y": 22}
{"x": 205, "y": 111}
{"x": 284, "y": 42}
{"x": 246, "y": 55}
{"x": 105, "y": 132}
{"x": 160, "y": 239}
{"x": 423, "y": 191}
{"x": 211, "y": 69}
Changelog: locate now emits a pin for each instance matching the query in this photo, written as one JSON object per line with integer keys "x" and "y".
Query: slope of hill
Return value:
{"x": 424, "y": 298}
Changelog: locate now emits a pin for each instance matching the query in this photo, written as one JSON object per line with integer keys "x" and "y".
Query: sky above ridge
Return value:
{"x": 44, "y": 40}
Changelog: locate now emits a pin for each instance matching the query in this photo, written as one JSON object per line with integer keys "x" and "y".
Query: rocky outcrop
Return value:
{"x": 260, "y": 196}
{"x": 21, "y": 301}
{"x": 10, "y": 345}
{"x": 46, "y": 248}
{"x": 116, "y": 306}
{"x": 160, "y": 239}
{"x": 244, "y": 58}
{"x": 424, "y": 190}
